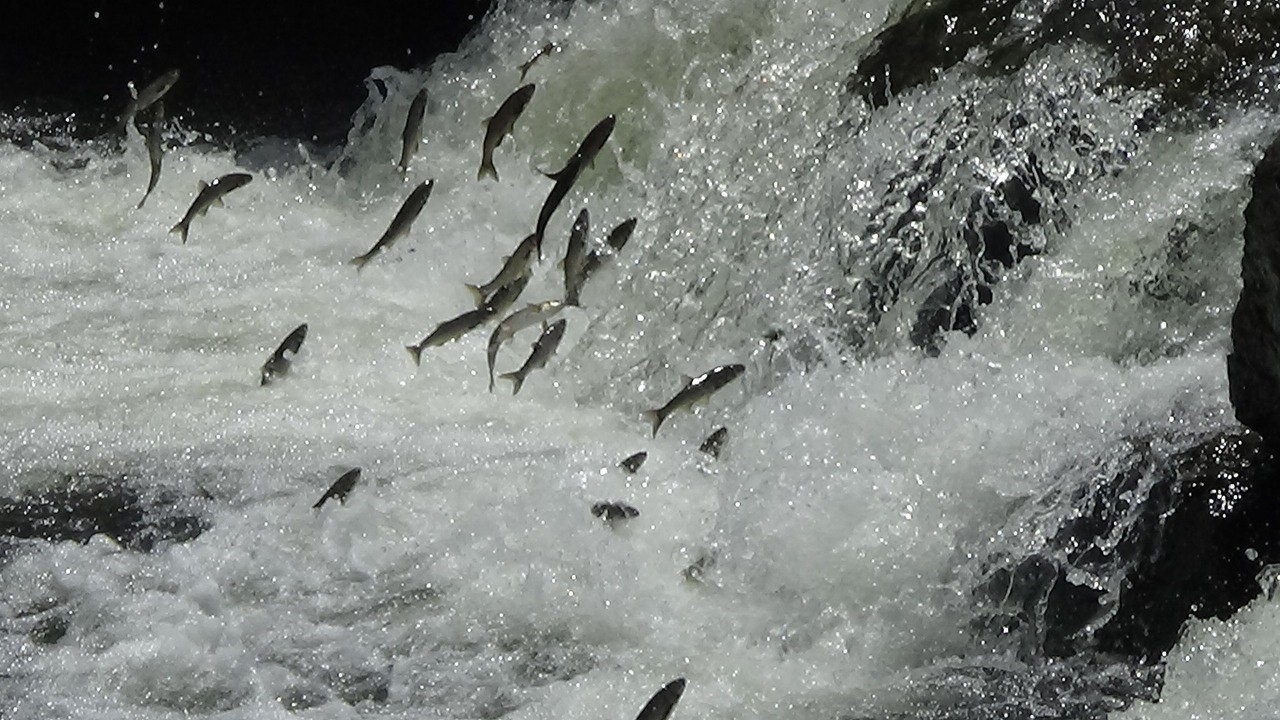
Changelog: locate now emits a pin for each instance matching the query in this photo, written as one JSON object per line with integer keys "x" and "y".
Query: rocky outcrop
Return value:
{"x": 85, "y": 505}
{"x": 1254, "y": 363}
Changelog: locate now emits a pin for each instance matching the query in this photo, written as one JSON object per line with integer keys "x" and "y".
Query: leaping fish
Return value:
{"x": 663, "y": 702}
{"x": 155, "y": 149}
{"x": 568, "y": 175}
{"x": 575, "y": 257}
{"x": 517, "y": 264}
{"x": 340, "y": 489}
{"x": 527, "y": 316}
{"x": 695, "y": 390}
{"x": 412, "y": 129}
{"x": 498, "y": 127}
{"x": 400, "y": 224}
{"x": 527, "y": 65}
{"x": 150, "y": 93}
{"x": 450, "y": 330}
{"x": 543, "y": 348}
{"x": 278, "y": 364}
{"x": 210, "y": 194}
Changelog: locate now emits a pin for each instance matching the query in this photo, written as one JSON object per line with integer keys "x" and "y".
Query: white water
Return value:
{"x": 847, "y": 515}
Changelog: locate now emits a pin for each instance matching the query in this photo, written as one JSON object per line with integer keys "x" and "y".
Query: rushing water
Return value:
{"x": 865, "y": 482}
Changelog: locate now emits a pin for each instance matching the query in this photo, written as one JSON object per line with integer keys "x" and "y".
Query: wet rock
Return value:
{"x": 356, "y": 685}
{"x": 86, "y": 505}
{"x": 1253, "y": 367}
{"x": 1167, "y": 535}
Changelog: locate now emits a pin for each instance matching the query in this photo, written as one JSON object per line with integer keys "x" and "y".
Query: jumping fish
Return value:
{"x": 715, "y": 442}
{"x": 546, "y": 50}
{"x": 695, "y": 390}
{"x": 278, "y": 364}
{"x": 209, "y": 195}
{"x": 527, "y": 316}
{"x": 498, "y": 127}
{"x": 339, "y": 489}
{"x": 543, "y": 348}
{"x": 150, "y": 93}
{"x": 565, "y": 179}
{"x": 400, "y": 224}
{"x": 412, "y": 129}
{"x": 575, "y": 257}
{"x": 450, "y": 330}
{"x": 663, "y": 702}
{"x": 632, "y": 463}
{"x": 611, "y": 512}
{"x": 155, "y": 148}
{"x": 617, "y": 240}
{"x": 517, "y": 264}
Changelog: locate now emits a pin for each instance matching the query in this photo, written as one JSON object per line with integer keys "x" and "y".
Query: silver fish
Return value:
{"x": 498, "y": 127}
{"x": 575, "y": 257}
{"x": 632, "y": 463}
{"x": 546, "y": 50}
{"x": 450, "y": 330}
{"x": 695, "y": 390}
{"x": 617, "y": 240}
{"x": 568, "y": 175}
{"x": 149, "y": 94}
{"x": 543, "y": 349}
{"x": 715, "y": 442}
{"x": 507, "y": 295}
{"x": 400, "y": 224}
{"x": 278, "y": 364}
{"x": 527, "y": 316}
{"x": 155, "y": 149}
{"x": 663, "y": 702}
{"x": 517, "y": 264}
{"x": 209, "y": 195}
{"x": 412, "y": 129}
{"x": 340, "y": 488}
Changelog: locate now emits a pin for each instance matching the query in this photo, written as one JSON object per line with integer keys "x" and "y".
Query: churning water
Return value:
{"x": 783, "y": 225}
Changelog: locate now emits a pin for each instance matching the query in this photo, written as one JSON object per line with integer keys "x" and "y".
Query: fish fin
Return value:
{"x": 485, "y": 122}
{"x": 320, "y": 502}
{"x": 359, "y": 262}
{"x": 516, "y": 381}
{"x": 416, "y": 352}
{"x": 655, "y": 418}
{"x": 203, "y": 185}
{"x": 487, "y": 170}
{"x": 218, "y": 201}
{"x": 180, "y": 228}
{"x": 557, "y": 176}
{"x": 685, "y": 379}
{"x": 477, "y": 293}
{"x": 142, "y": 201}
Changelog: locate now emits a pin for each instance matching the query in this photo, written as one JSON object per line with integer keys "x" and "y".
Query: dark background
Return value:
{"x": 273, "y": 67}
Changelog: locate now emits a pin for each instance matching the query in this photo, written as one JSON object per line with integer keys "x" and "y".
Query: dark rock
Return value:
{"x": 50, "y": 629}
{"x": 86, "y": 505}
{"x": 1165, "y": 537}
{"x": 1253, "y": 367}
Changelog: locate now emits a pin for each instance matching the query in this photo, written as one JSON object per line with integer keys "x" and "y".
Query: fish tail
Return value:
{"x": 142, "y": 201}
{"x": 180, "y": 228}
{"x": 477, "y": 292}
{"x": 359, "y": 262}
{"x": 655, "y": 418}
{"x": 487, "y": 170}
{"x": 320, "y": 502}
{"x": 416, "y": 352}
{"x": 516, "y": 381}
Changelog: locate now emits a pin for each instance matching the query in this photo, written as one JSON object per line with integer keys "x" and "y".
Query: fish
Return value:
{"x": 210, "y": 194}
{"x": 617, "y": 240}
{"x": 278, "y": 364}
{"x": 400, "y": 224}
{"x": 546, "y": 50}
{"x": 155, "y": 148}
{"x": 498, "y": 127}
{"x": 527, "y": 316}
{"x": 507, "y": 295}
{"x": 632, "y": 463}
{"x": 150, "y": 94}
{"x": 575, "y": 257}
{"x": 450, "y": 330}
{"x": 543, "y": 348}
{"x": 663, "y": 702}
{"x": 611, "y": 511}
{"x": 517, "y": 264}
{"x": 412, "y": 129}
{"x": 568, "y": 175}
{"x": 339, "y": 489}
{"x": 715, "y": 442}
{"x": 695, "y": 390}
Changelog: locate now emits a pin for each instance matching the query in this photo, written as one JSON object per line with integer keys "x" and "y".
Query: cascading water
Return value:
{"x": 963, "y": 313}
